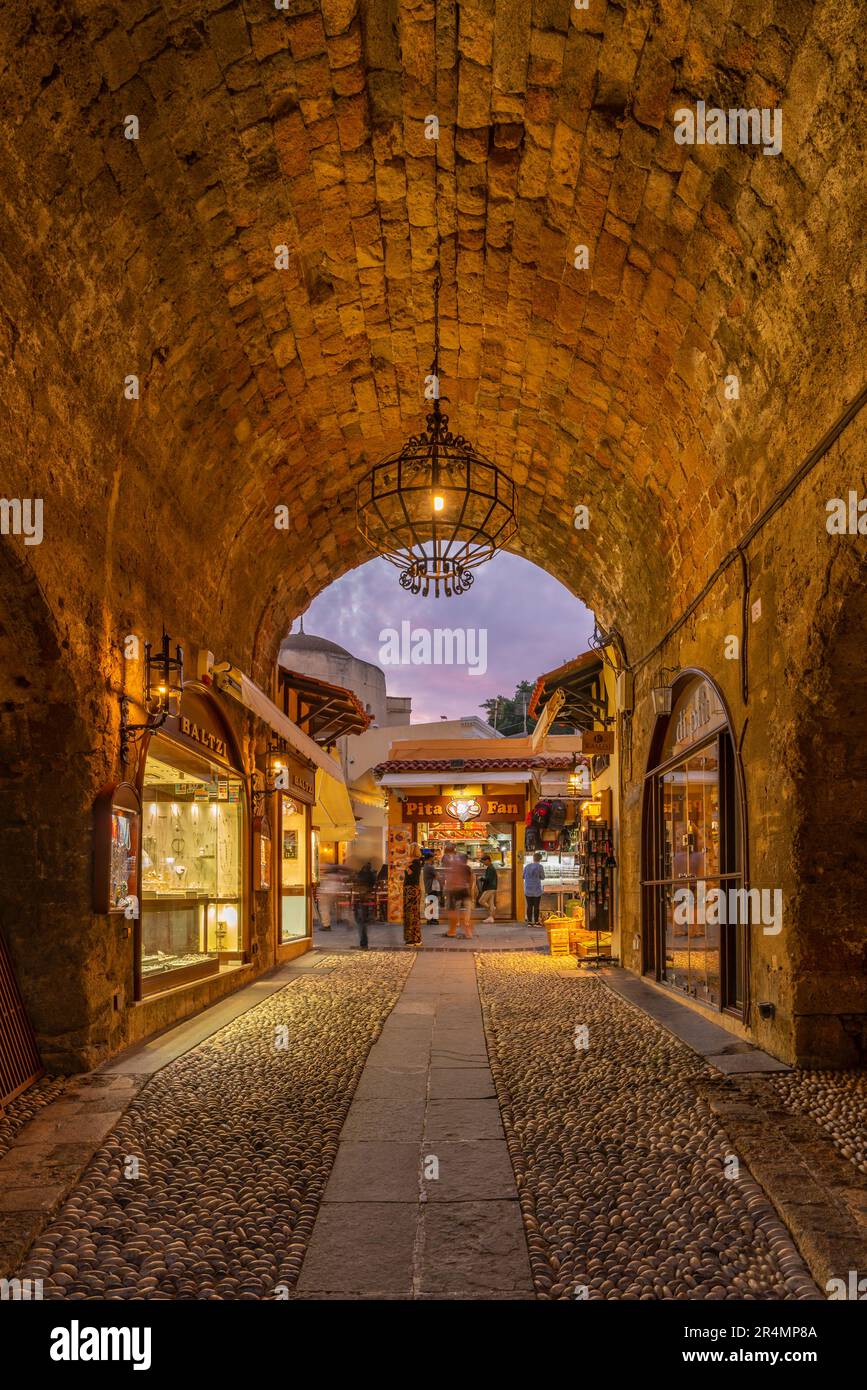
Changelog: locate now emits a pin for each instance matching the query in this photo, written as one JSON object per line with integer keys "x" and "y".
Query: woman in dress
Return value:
{"x": 412, "y": 898}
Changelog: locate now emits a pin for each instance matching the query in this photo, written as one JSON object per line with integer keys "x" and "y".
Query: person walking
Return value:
{"x": 459, "y": 892}
{"x": 363, "y": 898}
{"x": 487, "y": 888}
{"x": 534, "y": 874}
{"x": 412, "y": 898}
{"x": 326, "y": 896}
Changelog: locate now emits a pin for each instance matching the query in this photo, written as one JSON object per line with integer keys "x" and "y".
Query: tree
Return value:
{"x": 509, "y": 715}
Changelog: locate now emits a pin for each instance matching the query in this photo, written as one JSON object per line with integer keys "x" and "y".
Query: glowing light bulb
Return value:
{"x": 438, "y": 502}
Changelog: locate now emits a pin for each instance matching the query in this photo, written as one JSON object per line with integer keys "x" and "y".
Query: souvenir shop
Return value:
{"x": 574, "y": 835}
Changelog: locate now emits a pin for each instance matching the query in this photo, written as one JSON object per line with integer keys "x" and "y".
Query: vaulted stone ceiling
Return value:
{"x": 305, "y": 127}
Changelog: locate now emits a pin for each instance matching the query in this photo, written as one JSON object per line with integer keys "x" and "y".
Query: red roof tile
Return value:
{"x": 538, "y": 762}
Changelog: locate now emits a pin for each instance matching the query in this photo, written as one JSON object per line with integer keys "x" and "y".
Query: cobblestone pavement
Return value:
{"x": 834, "y": 1100}
{"x": 24, "y": 1108}
{"x": 620, "y": 1169}
{"x": 235, "y": 1141}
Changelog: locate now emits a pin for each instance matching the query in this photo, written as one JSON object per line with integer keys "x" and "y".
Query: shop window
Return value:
{"x": 693, "y": 841}
{"x": 293, "y": 872}
{"x": 192, "y": 866}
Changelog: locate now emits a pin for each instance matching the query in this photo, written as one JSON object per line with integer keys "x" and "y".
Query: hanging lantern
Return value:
{"x": 438, "y": 508}
{"x": 661, "y": 691}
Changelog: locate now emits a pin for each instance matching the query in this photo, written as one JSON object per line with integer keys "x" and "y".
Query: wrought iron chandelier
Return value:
{"x": 438, "y": 508}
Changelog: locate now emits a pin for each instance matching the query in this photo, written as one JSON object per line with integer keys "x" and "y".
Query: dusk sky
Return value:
{"x": 532, "y": 623}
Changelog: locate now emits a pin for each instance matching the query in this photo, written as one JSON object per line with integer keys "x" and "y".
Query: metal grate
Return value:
{"x": 19, "y": 1056}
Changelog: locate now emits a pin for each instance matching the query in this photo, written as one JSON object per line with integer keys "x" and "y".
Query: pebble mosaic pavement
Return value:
{"x": 834, "y": 1100}
{"x": 235, "y": 1141}
{"x": 620, "y": 1169}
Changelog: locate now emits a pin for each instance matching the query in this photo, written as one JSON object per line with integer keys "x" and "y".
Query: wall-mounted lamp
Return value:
{"x": 163, "y": 686}
{"x": 575, "y": 776}
{"x": 661, "y": 690}
{"x": 264, "y": 784}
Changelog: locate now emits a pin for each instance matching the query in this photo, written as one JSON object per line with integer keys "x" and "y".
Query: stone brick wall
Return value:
{"x": 304, "y": 128}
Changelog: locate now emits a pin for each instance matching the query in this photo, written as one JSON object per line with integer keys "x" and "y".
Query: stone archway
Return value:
{"x": 234, "y": 311}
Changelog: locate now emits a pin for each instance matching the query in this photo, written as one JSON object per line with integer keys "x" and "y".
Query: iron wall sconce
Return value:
{"x": 273, "y": 767}
{"x": 163, "y": 685}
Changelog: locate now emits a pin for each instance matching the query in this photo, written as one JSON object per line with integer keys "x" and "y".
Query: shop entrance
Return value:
{"x": 294, "y": 922}
{"x": 476, "y": 839}
{"x": 692, "y": 846}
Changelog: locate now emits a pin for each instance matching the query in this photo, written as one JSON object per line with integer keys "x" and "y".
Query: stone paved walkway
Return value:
{"x": 426, "y": 1128}
{"x": 623, "y": 1174}
{"x": 421, "y": 1202}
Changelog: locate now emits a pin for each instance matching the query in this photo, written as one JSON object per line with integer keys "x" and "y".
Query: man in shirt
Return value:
{"x": 488, "y": 887}
{"x": 534, "y": 874}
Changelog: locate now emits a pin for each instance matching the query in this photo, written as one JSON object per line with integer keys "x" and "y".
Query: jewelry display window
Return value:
{"x": 192, "y": 866}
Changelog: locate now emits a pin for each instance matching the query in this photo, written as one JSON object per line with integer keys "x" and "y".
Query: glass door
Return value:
{"x": 689, "y": 798}
{"x": 293, "y": 851}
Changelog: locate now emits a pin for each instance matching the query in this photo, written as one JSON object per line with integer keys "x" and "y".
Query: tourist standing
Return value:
{"x": 412, "y": 898}
{"x": 488, "y": 887}
{"x": 432, "y": 881}
{"x": 534, "y": 874}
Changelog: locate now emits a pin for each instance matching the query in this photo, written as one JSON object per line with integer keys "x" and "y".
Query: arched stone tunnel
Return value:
{"x": 261, "y": 259}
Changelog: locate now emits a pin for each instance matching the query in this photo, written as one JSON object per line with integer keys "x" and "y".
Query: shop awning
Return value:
{"x": 332, "y": 813}
{"x": 583, "y": 686}
{"x": 327, "y": 711}
{"x": 233, "y": 682}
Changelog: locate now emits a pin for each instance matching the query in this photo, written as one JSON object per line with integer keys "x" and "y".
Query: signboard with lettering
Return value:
{"x": 697, "y": 712}
{"x": 202, "y": 726}
{"x": 477, "y": 808}
{"x": 597, "y": 741}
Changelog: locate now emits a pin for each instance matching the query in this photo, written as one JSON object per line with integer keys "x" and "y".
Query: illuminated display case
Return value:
{"x": 193, "y": 814}
{"x": 117, "y": 827}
